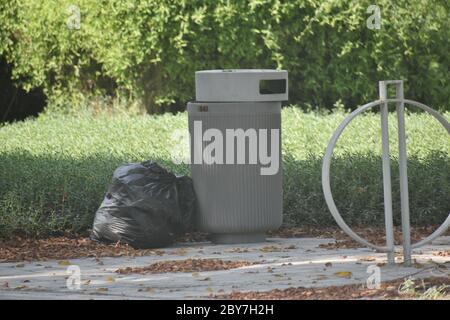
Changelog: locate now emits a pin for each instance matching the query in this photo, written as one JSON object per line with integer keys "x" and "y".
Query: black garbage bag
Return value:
{"x": 146, "y": 206}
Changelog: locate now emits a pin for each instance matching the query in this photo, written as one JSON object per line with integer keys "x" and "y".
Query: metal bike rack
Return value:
{"x": 404, "y": 195}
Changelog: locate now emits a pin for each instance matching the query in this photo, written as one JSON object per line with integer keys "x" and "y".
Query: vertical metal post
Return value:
{"x": 388, "y": 219}
{"x": 402, "y": 162}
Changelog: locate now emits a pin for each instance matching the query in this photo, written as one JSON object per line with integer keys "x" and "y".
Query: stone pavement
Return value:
{"x": 282, "y": 263}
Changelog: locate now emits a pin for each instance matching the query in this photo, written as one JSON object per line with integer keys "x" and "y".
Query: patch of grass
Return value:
{"x": 419, "y": 289}
{"x": 55, "y": 169}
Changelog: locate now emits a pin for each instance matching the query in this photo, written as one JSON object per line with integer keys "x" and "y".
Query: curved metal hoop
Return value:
{"x": 326, "y": 173}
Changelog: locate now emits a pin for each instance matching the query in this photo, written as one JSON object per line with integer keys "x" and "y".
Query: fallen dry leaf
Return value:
{"x": 187, "y": 265}
{"x": 64, "y": 263}
{"x": 238, "y": 250}
{"x": 205, "y": 279}
{"x": 179, "y": 252}
{"x": 27, "y": 249}
{"x": 279, "y": 275}
{"x": 376, "y": 235}
{"x": 270, "y": 249}
{"x": 367, "y": 259}
{"x": 20, "y": 287}
{"x": 388, "y": 290}
{"x": 147, "y": 289}
{"x": 343, "y": 274}
{"x": 445, "y": 253}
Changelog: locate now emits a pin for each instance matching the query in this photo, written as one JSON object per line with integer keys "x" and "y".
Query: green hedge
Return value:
{"x": 54, "y": 170}
{"x": 149, "y": 49}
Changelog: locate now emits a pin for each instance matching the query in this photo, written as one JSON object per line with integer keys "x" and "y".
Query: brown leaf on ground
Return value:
{"x": 270, "y": 249}
{"x": 238, "y": 250}
{"x": 64, "y": 248}
{"x": 64, "y": 263}
{"x": 376, "y": 235}
{"x": 147, "y": 289}
{"x": 20, "y": 287}
{"x": 187, "y": 265}
{"x": 179, "y": 252}
{"x": 444, "y": 253}
{"x": 368, "y": 259}
{"x": 343, "y": 274}
{"x": 387, "y": 290}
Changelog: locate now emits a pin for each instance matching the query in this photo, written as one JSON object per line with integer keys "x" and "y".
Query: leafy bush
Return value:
{"x": 150, "y": 49}
{"x": 54, "y": 170}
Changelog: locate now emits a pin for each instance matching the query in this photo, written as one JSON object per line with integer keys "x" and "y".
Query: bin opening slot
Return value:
{"x": 272, "y": 86}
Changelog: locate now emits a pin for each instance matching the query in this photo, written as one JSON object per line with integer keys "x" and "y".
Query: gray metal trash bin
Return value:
{"x": 235, "y": 132}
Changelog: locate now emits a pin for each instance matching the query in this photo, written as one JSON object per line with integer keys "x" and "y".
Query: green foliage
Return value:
{"x": 419, "y": 289}
{"x": 150, "y": 49}
{"x": 54, "y": 170}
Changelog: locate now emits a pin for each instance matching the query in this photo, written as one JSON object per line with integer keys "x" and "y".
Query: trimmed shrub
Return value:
{"x": 150, "y": 49}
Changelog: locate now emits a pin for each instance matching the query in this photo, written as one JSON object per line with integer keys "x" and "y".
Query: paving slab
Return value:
{"x": 281, "y": 263}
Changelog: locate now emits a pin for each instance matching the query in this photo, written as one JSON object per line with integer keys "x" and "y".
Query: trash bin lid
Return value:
{"x": 239, "y": 85}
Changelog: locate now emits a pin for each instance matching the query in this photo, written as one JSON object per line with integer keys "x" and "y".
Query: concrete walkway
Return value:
{"x": 283, "y": 263}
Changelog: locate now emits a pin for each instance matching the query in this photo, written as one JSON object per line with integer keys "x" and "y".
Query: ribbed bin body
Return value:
{"x": 236, "y": 203}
